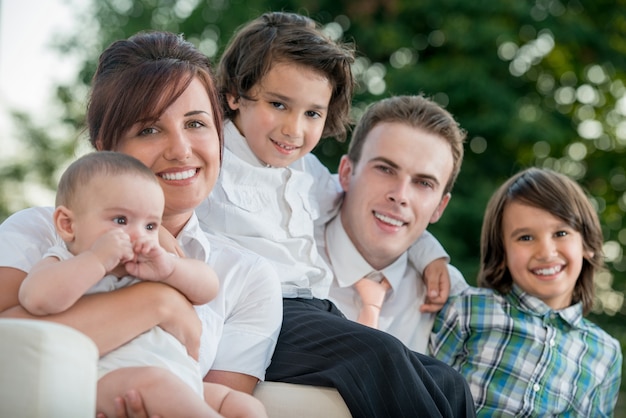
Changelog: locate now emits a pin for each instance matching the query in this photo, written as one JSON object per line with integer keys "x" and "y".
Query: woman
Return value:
{"x": 153, "y": 98}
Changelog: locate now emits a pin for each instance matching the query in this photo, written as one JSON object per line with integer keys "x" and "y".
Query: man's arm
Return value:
{"x": 431, "y": 260}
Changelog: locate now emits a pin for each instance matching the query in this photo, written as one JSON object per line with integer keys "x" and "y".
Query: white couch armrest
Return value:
{"x": 286, "y": 400}
{"x": 48, "y": 370}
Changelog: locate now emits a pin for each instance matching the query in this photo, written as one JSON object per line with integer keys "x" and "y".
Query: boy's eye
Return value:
{"x": 151, "y": 227}
{"x": 312, "y": 114}
{"x": 120, "y": 220}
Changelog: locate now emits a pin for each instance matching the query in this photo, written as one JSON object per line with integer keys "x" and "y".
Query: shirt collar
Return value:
{"x": 349, "y": 265}
{"x": 573, "y": 314}
{"x": 237, "y": 144}
{"x": 193, "y": 240}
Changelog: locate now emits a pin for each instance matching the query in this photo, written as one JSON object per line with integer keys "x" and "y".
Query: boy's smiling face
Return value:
{"x": 286, "y": 117}
{"x": 543, "y": 253}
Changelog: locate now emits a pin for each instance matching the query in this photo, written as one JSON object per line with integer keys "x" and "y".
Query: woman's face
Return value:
{"x": 182, "y": 148}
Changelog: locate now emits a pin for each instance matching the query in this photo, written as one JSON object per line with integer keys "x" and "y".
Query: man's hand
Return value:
{"x": 437, "y": 281}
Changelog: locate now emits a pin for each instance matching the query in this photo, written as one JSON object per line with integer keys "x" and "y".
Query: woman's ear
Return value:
{"x": 64, "y": 223}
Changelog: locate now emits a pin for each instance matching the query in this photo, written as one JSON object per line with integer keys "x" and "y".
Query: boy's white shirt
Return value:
{"x": 278, "y": 212}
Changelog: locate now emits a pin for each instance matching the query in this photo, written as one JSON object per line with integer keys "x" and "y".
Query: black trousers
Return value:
{"x": 376, "y": 375}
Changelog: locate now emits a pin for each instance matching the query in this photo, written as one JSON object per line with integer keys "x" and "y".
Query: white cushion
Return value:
{"x": 50, "y": 370}
{"x": 47, "y": 370}
{"x": 285, "y": 400}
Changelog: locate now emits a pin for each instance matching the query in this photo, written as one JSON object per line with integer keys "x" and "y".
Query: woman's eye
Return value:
{"x": 196, "y": 124}
{"x": 147, "y": 131}
{"x": 120, "y": 220}
{"x": 277, "y": 105}
{"x": 561, "y": 234}
{"x": 525, "y": 238}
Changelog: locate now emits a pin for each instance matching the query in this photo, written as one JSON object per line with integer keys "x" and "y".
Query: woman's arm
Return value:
{"x": 112, "y": 319}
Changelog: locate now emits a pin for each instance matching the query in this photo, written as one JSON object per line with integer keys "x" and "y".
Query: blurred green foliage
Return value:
{"x": 538, "y": 82}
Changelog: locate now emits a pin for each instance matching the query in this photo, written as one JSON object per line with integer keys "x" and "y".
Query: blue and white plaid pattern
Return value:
{"x": 523, "y": 359}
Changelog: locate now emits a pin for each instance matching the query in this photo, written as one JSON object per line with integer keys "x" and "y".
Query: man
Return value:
{"x": 404, "y": 157}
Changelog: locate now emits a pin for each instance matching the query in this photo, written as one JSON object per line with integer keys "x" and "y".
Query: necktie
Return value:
{"x": 372, "y": 291}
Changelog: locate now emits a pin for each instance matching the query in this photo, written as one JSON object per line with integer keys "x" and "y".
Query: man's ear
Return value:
{"x": 440, "y": 208}
{"x": 345, "y": 172}
{"x": 64, "y": 223}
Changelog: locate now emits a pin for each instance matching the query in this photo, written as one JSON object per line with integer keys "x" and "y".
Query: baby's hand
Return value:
{"x": 112, "y": 248}
{"x": 151, "y": 261}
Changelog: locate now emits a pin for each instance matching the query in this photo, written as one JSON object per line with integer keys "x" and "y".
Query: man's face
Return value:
{"x": 395, "y": 190}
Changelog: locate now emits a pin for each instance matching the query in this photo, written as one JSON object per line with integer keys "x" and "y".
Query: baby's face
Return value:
{"x": 543, "y": 253}
{"x": 125, "y": 201}
{"x": 286, "y": 119}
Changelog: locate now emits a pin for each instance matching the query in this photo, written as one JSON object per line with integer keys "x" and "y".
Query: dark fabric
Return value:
{"x": 376, "y": 375}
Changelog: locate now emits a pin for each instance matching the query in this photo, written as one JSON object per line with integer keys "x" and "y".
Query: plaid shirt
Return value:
{"x": 523, "y": 359}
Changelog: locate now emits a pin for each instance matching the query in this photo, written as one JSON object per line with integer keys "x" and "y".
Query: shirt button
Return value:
{"x": 552, "y": 343}
{"x": 536, "y": 387}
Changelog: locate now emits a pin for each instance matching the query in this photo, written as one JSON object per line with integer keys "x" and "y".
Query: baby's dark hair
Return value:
{"x": 282, "y": 37}
{"x": 558, "y": 195}
{"x": 99, "y": 163}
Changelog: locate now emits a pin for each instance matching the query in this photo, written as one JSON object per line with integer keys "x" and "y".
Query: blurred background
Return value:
{"x": 534, "y": 83}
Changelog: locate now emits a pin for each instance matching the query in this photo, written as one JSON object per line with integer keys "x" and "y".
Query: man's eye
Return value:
{"x": 120, "y": 220}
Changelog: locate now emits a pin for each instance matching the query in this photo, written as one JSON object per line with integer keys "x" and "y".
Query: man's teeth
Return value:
{"x": 548, "y": 271}
{"x": 388, "y": 220}
{"x": 181, "y": 175}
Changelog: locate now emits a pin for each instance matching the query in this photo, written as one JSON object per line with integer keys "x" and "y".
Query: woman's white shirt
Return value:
{"x": 240, "y": 326}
